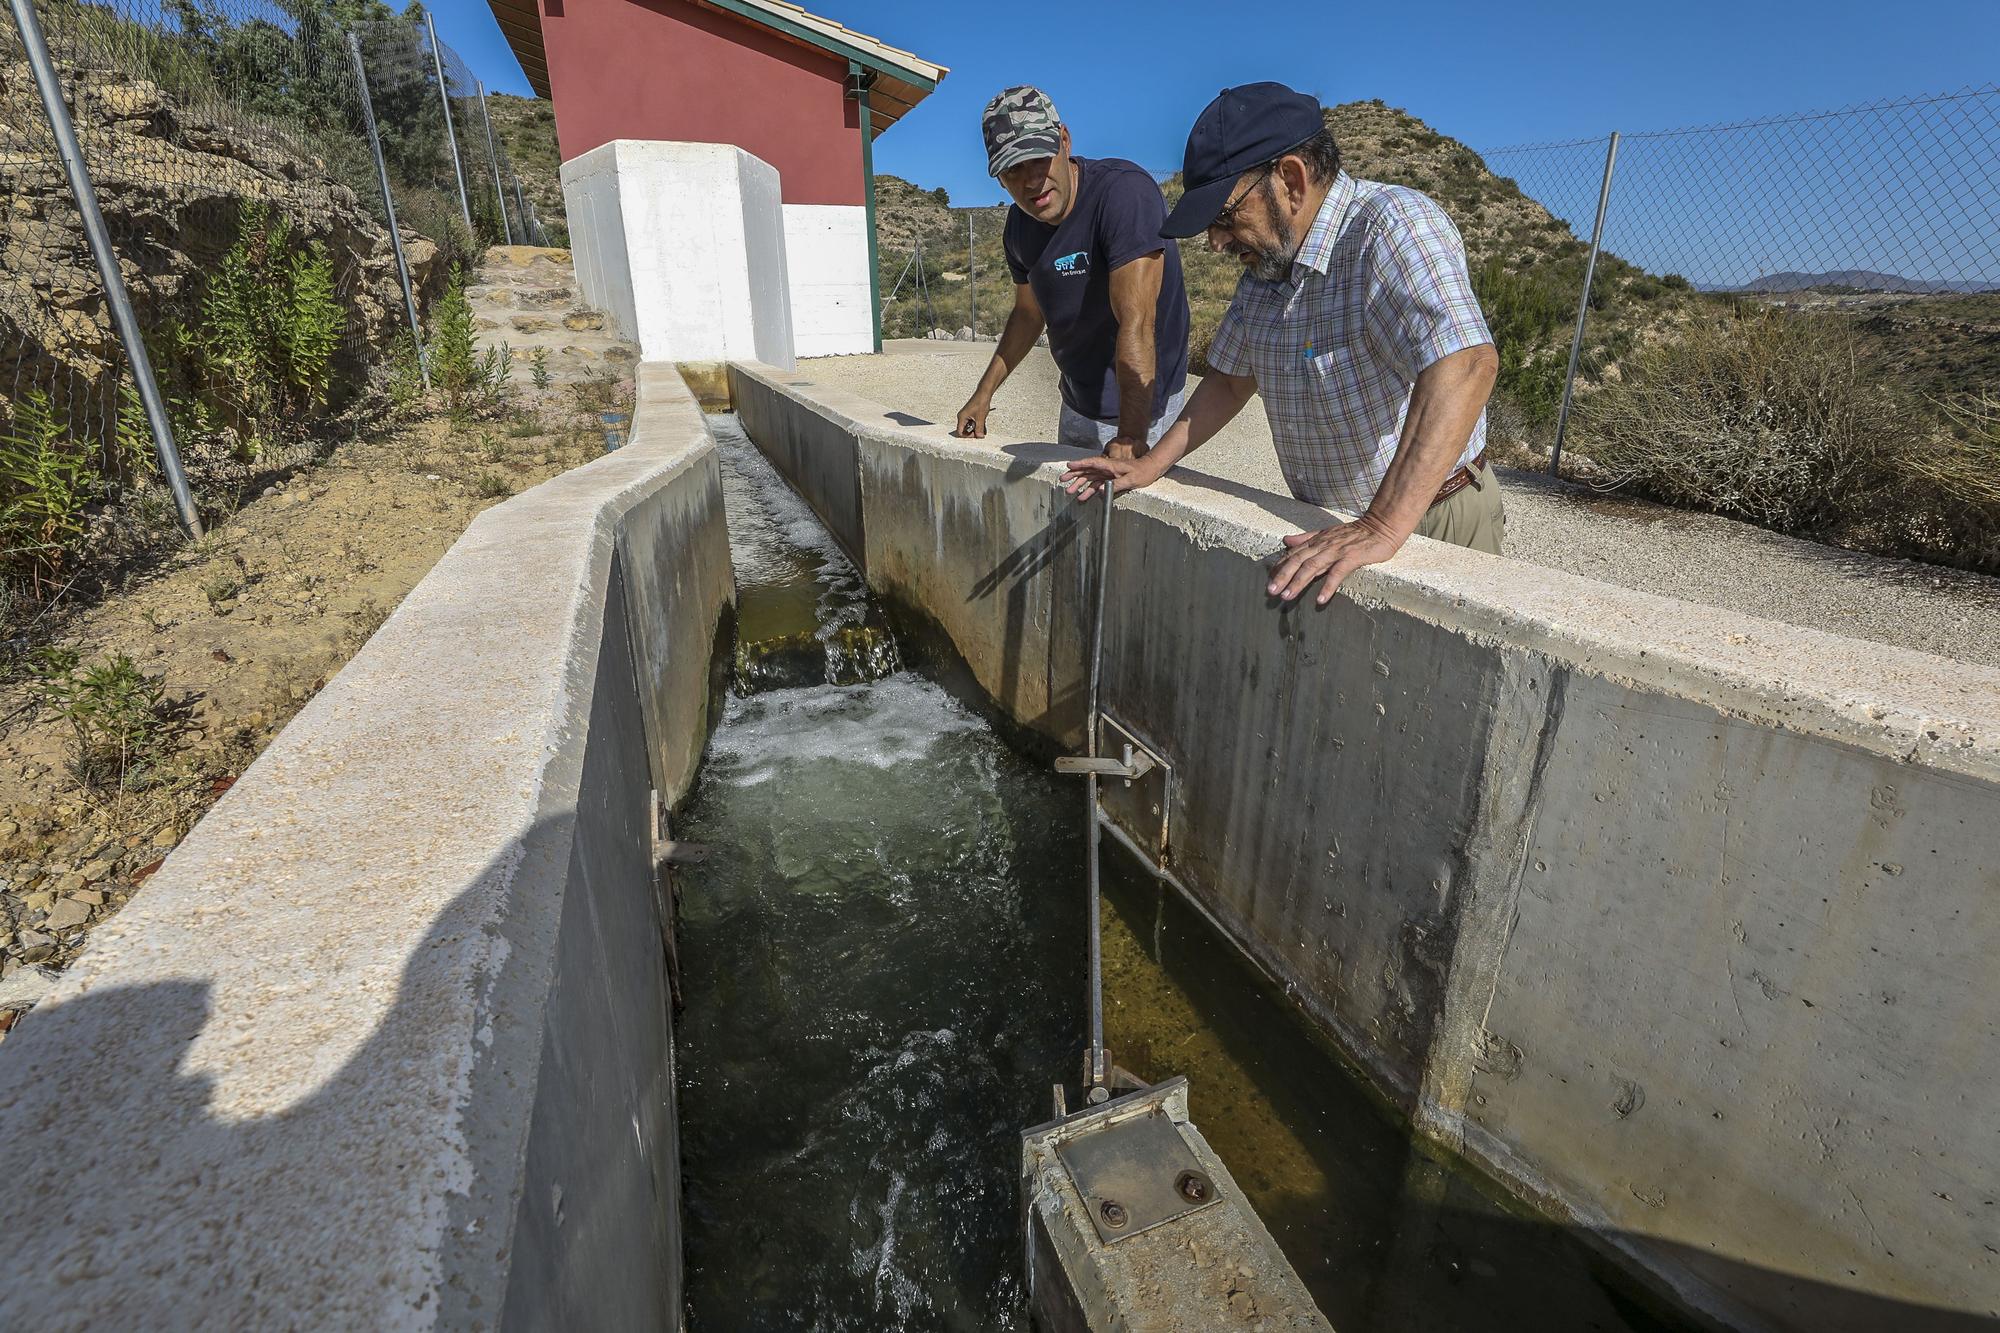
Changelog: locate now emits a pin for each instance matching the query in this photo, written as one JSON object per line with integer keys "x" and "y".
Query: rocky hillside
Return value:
{"x": 174, "y": 185}
{"x": 905, "y": 215}
{"x": 526, "y": 129}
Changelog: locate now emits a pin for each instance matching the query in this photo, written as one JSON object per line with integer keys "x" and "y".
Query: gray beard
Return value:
{"x": 1274, "y": 264}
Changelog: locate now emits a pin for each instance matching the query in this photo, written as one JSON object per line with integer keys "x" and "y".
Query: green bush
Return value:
{"x": 1527, "y": 313}
{"x": 45, "y": 482}
{"x": 470, "y": 381}
{"x": 120, "y": 723}
{"x": 259, "y": 350}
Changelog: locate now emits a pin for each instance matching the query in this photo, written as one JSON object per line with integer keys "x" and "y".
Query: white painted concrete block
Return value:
{"x": 683, "y": 246}
{"x": 826, "y": 248}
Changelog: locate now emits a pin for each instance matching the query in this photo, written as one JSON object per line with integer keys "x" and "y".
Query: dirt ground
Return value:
{"x": 241, "y": 628}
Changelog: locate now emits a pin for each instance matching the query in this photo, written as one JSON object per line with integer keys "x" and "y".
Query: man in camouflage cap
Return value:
{"x": 1084, "y": 249}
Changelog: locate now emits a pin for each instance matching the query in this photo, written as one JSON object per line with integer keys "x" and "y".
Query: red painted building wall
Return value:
{"x": 669, "y": 69}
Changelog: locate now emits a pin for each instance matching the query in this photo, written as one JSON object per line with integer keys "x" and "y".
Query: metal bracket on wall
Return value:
{"x": 1141, "y": 805}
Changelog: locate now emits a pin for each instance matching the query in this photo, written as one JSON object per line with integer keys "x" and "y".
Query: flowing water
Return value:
{"x": 884, "y": 975}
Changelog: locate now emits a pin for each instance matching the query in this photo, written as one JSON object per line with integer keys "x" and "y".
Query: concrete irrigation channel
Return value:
{"x": 1676, "y": 926}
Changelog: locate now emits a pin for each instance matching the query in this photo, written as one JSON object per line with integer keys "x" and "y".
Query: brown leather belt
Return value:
{"x": 1460, "y": 479}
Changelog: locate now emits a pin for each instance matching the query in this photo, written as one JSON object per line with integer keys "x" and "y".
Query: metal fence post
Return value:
{"x": 450, "y": 134}
{"x": 123, "y": 319}
{"x": 521, "y": 209}
{"x": 1583, "y": 305}
{"x": 899, "y": 278}
{"x": 493, "y": 157}
{"x": 389, "y": 206}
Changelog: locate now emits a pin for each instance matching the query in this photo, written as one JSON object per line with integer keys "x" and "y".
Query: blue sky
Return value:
{"x": 1130, "y": 78}
{"x": 1914, "y": 193}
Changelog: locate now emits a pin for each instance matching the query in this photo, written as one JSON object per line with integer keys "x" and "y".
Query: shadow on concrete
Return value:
{"x": 906, "y": 419}
{"x": 381, "y": 1189}
{"x": 160, "y": 1211}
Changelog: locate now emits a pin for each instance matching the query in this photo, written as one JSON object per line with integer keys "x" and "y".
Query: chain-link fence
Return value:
{"x": 497, "y": 200}
{"x": 225, "y": 165}
{"x": 1887, "y": 215}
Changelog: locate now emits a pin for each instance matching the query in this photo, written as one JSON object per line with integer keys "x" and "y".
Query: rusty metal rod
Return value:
{"x": 1097, "y": 1067}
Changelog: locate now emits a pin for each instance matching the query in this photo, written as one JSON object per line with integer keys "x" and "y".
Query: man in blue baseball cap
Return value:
{"x": 1355, "y": 319}
{"x": 1083, "y": 245}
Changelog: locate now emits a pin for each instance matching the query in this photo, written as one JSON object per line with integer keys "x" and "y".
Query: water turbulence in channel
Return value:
{"x": 803, "y": 613}
{"x": 884, "y": 969}
{"x": 873, "y": 1000}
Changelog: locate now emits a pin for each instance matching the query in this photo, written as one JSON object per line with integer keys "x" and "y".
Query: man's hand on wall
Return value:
{"x": 970, "y": 423}
{"x": 1126, "y": 449}
{"x": 1086, "y": 476}
{"x": 1330, "y": 554}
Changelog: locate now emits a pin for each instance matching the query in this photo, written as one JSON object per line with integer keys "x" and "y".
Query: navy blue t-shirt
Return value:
{"x": 1116, "y": 218}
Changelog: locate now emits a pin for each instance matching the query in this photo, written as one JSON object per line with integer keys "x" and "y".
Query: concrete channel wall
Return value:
{"x": 1681, "y": 923}
{"x": 386, "y": 1042}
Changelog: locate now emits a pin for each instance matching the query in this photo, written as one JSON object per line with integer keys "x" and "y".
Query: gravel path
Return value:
{"x": 1633, "y": 543}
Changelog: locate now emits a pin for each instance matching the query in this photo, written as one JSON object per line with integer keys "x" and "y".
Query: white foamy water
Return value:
{"x": 881, "y": 724}
{"x": 774, "y": 536}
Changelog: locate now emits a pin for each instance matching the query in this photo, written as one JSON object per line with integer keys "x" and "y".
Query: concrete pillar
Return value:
{"x": 683, "y": 246}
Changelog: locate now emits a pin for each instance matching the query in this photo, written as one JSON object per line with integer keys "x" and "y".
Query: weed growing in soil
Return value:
{"x": 121, "y": 726}
{"x": 491, "y": 485}
{"x": 540, "y": 370}
{"x": 220, "y": 589}
{"x": 132, "y": 435}
{"x": 261, "y": 349}
{"x": 44, "y": 485}
{"x": 470, "y": 382}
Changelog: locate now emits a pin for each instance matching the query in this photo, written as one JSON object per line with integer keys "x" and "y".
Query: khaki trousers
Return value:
{"x": 1473, "y": 517}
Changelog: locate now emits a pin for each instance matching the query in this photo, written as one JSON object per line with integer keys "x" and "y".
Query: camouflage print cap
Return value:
{"x": 1021, "y": 123}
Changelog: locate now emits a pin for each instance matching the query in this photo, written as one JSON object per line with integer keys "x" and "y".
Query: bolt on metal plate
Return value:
{"x": 1140, "y": 806}
{"x": 1135, "y": 1175}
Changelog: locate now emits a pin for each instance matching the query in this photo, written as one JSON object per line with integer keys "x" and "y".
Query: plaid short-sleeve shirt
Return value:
{"x": 1378, "y": 291}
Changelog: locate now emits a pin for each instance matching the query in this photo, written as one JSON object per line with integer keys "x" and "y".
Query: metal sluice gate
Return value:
{"x": 1129, "y": 1218}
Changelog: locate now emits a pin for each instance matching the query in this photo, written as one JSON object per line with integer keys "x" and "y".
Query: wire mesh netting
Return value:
{"x": 1790, "y": 313}
{"x": 228, "y": 145}
{"x": 1893, "y": 196}
{"x": 500, "y": 207}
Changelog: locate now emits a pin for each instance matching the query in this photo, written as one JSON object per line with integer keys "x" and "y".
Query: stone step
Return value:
{"x": 525, "y": 297}
{"x": 576, "y": 321}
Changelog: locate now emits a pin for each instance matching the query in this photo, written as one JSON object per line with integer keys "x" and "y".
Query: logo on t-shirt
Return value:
{"x": 1074, "y": 264}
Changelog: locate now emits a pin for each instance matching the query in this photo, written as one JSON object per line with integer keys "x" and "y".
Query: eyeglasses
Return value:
{"x": 1226, "y": 217}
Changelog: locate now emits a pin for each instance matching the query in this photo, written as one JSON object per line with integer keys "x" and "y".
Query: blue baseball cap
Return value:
{"x": 1243, "y": 128}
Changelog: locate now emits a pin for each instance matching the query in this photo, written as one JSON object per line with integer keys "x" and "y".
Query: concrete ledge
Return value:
{"x": 309, "y": 1076}
{"x": 1679, "y": 921}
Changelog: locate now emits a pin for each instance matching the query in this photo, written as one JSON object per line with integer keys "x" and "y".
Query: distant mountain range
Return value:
{"x": 1859, "y": 280}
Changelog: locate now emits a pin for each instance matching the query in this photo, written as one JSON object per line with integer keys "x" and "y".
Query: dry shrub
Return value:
{"x": 1773, "y": 417}
{"x": 1759, "y": 415}
{"x": 1945, "y": 497}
